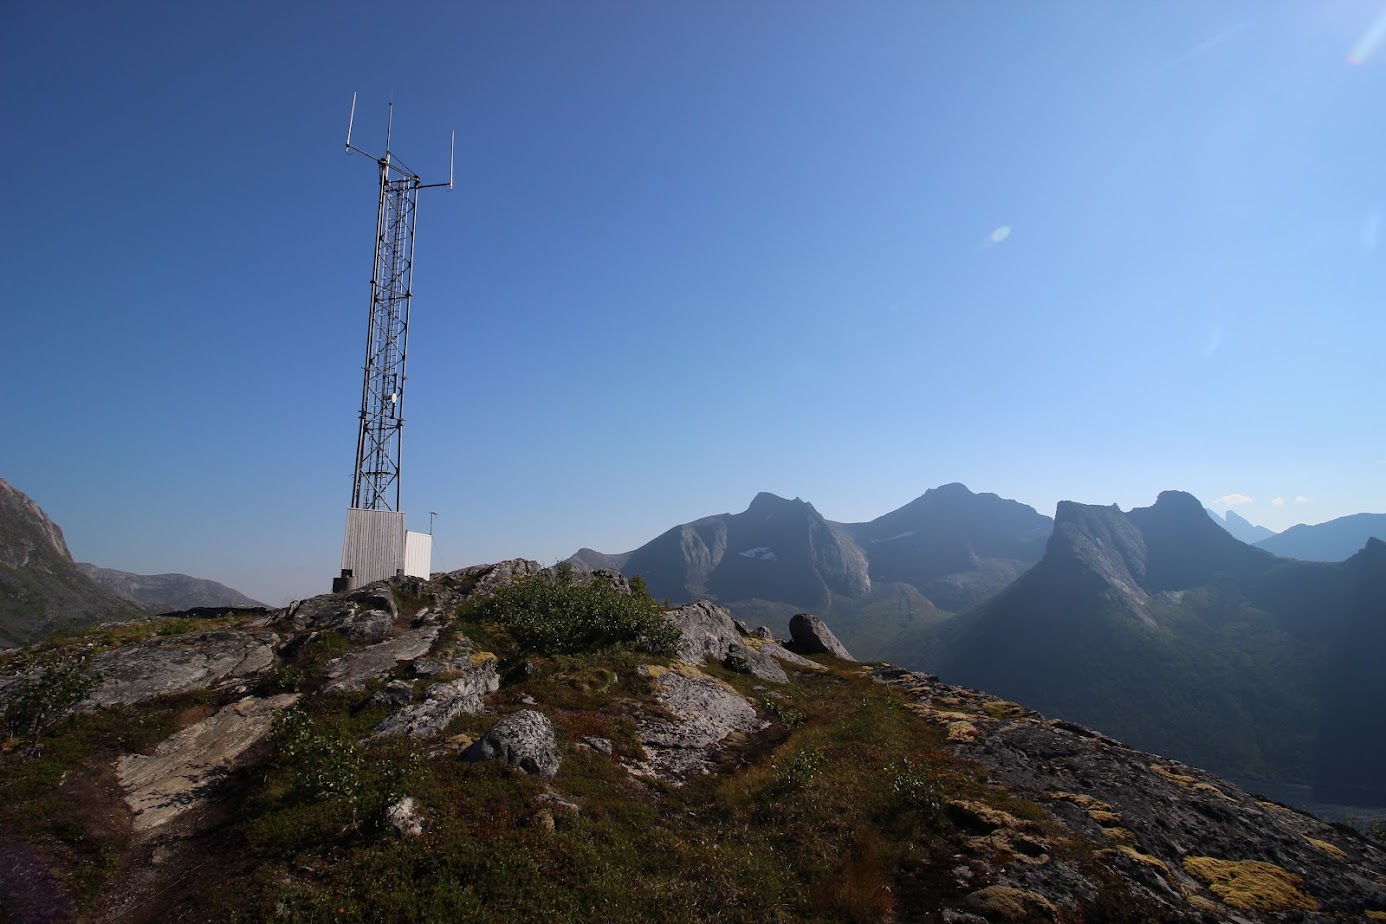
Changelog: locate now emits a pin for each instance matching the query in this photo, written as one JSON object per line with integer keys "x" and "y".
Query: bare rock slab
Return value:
{"x": 179, "y": 664}
{"x": 185, "y": 769}
{"x": 352, "y": 670}
{"x": 811, "y": 635}
{"x": 708, "y": 631}
{"x": 525, "y": 740}
{"x": 705, "y": 711}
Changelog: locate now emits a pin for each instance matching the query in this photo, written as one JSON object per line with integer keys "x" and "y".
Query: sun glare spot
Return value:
{"x": 1369, "y": 42}
{"x": 999, "y": 235}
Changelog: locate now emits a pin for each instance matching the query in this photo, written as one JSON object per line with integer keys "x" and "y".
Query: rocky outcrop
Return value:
{"x": 707, "y": 629}
{"x": 812, "y": 636}
{"x": 445, "y": 702}
{"x": 352, "y": 670}
{"x": 480, "y": 580}
{"x": 710, "y": 634}
{"x": 745, "y": 660}
{"x": 524, "y": 740}
{"x": 180, "y": 664}
{"x": 185, "y": 770}
{"x": 1176, "y": 834}
{"x": 702, "y": 712}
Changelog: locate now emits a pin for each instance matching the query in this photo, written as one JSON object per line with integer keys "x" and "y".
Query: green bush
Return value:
{"x": 54, "y": 683}
{"x": 555, "y": 615}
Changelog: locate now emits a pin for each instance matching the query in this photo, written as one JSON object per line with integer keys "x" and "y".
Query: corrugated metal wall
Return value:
{"x": 374, "y": 545}
{"x": 418, "y": 554}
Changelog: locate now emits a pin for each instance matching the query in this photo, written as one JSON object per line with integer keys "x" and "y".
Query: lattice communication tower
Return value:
{"x": 376, "y": 485}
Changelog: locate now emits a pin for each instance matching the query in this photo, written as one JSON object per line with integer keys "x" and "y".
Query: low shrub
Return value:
{"x": 53, "y": 684}
{"x": 556, "y": 615}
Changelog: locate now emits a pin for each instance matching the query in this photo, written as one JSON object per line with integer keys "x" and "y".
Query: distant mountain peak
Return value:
{"x": 1178, "y": 501}
{"x": 767, "y": 503}
{"x": 1240, "y": 526}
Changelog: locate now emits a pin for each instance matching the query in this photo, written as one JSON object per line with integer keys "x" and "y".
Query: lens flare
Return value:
{"x": 999, "y": 235}
{"x": 1369, "y": 42}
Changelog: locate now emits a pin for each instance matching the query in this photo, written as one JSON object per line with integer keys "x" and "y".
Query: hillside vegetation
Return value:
{"x": 510, "y": 743}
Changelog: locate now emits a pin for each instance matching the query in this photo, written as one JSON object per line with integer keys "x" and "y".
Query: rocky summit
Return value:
{"x": 514, "y": 743}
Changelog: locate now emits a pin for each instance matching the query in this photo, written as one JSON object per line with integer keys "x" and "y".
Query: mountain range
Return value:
{"x": 1335, "y": 540}
{"x": 883, "y": 583}
{"x": 43, "y": 592}
{"x": 1156, "y": 625}
{"x": 166, "y": 592}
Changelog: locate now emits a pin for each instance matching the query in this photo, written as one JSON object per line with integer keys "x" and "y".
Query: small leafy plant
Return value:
{"x": 52, "y": 685}
{"x": 913, "y": 786}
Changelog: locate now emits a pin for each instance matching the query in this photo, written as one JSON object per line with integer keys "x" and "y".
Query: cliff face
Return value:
{"x": 42, "y": 591}
{"x": 777, "y": 549}
{"x": 1160, "y": 628}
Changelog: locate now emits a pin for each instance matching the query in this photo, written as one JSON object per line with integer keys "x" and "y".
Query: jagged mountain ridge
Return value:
{"x": 1241, "y": 527}
{"x": 1159, "y": 627}
{"x": 166, "y": 592}
{"x": 42, "y": 592}
{"x": 877, "y": 582}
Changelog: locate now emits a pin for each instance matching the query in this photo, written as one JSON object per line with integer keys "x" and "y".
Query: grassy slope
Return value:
{"x": 826, "y": 815}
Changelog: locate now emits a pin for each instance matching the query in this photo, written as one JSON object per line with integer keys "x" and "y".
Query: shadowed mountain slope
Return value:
{"x": 882, "y": 585}
{"x": 1159, "y": 627}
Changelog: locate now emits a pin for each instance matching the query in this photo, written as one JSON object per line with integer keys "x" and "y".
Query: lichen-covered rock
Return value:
{"x": 333, "y": 611}
{"x": 179, "y": 664}
{"x": 368, "y": 626}
{"x": 394, "y": 693}
{"x": 707, "y": 629}
{"x": 705, "y": 711}
{"x": 353, "y": 669}
{"x": 1191, "y": 845}
{"x": 811, "y": 636}
{"x": 185, "y": 769}
{"x": 745, "y": 660}
{"x": 482, "y": 580}
{"x": 445, "y": 702}
{"x": 524, "y": 740}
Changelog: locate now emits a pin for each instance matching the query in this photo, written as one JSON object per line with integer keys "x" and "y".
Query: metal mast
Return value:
{"x": 376, "y": 485}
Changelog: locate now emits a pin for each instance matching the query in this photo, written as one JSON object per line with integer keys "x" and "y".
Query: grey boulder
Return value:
{"x": 524, "y": 740}
{"x": 811, "y": 636}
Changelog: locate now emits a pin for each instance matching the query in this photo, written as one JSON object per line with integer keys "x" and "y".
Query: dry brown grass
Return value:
{"x": 1251, "y": 884}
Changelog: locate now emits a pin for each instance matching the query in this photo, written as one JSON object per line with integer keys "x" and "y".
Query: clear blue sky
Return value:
{"x": 841, "y": 251}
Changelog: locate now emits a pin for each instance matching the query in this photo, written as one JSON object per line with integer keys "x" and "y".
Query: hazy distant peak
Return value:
{"x": 1335, "y": 540}
{"x": 956, "y": 488}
